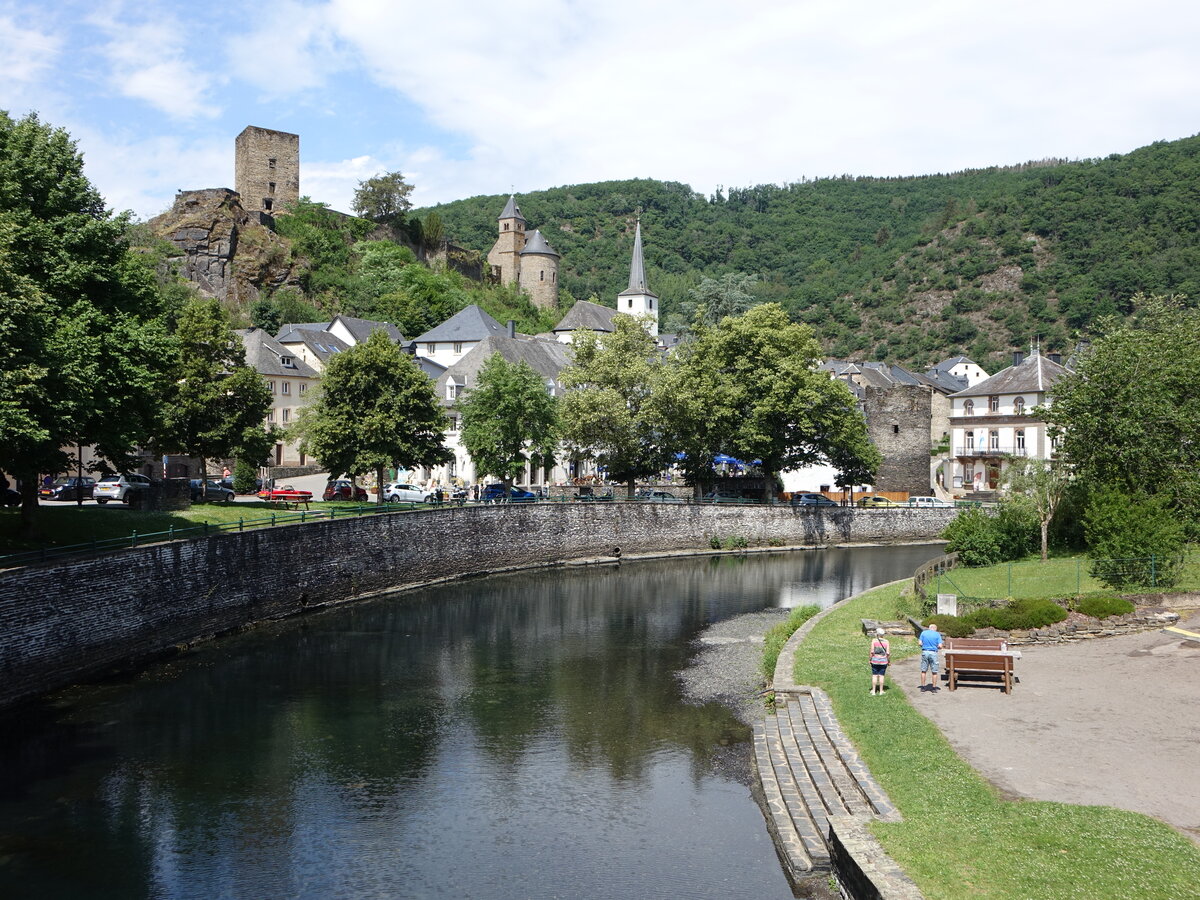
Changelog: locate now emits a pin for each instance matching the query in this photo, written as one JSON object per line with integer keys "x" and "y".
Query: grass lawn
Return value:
{"x": 959, "y": 838}
{"x": 1057, "y": 577}
{"x": 66, "y": 524}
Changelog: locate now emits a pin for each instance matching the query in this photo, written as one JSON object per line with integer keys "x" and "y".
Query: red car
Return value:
{"x": 341, "y": 489}
{"x": 287, "y": 493}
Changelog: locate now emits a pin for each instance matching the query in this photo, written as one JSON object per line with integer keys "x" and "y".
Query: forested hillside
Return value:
{"x": 904, "y": 269}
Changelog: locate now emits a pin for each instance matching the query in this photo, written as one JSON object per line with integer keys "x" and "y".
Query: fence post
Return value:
{"x": 242, "y": 523}
{"x": 170, "y": 532}
{"x": 272, "y": 519}
{"x": 133, "y": 538}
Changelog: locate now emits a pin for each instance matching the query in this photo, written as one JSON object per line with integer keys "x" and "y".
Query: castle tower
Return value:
{"x": 266, "y": 169}
{"x": 504, "y": 257}
{"x": 637, "y": 300}
{"x": 539, "y": 272}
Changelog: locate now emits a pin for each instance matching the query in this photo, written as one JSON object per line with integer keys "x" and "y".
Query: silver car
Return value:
{"x": 122, "y": 488}
{"x": 399, "y": 492}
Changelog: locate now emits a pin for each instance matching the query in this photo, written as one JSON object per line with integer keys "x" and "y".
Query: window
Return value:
{"x": 287, "y": 388}
{"x": 286, "y": 414}
{"x": 303, "y": 388}
{"x": 1020, "y": 440}
{"x": 270, "y": 163}
{"x": 993, "y": 440}
{"x": 631, "y": 303}
{"x": 968, "y": 407}
{"x": 993, "y": 404}
{"x": 458, "y": 347}
{"x": 271, "y": 416}
{"x": 542, "y": 275}
{"x": 1019, "y": 406}
{"x": 431, "y": 349}
{"x": 320, "y": 347}
{"x": 453, "y": 426}
{"x": 506, "y": 226}
{"x": 271, "y": 186}
{"x": 553, "y": 277}
{"x": 968, "y": 441}
{"x": 271, "y": 385}
{"x": 288, "y": 362}
{"x": 267, "y": 201}
{"x": 895, "y": 429}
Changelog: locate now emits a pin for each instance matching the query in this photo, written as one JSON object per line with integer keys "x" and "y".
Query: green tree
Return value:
{"x": 606, "y": 412}
{"x": 507, "y": 415}
{"x": 82, "y": 347}
{"x": 1044, "y": 484}
{"x": 715, "y": 298}
{"x": 213, "y": 397}
{"x": 374, "y": 408}
{"x": 749, "y": 387}
{"x": 1129, "y": 415}
{"x": 1134, "y": 540}
{"x": 433, "y": 231}
{"x": 383, "y": 198}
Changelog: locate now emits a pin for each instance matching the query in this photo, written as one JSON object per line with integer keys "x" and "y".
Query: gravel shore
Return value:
{"x": 725, "y": 668}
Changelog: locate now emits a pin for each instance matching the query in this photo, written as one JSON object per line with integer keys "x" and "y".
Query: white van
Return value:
{"x": 929, "y": 503}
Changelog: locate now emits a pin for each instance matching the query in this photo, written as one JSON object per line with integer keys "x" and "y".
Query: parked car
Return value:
{"x": 10, "y": 497}
{"x": 723, "y": 497}
{"x": 130, "y": 489}
{"x": 399, "y": 492}
{"x": 68, "y": 487}
{"x": 218, "y": 491}
{"x": 812, "y": 500}
{"x": 877, "y": 501}
{"x": 494, "y": 493}
{"x": 655, "y": 496}
{"x": 343, "y": 489}
{"x": 588, "y": 492}
{"x": 929, "y": 503}
{"x": 285, "y": 494}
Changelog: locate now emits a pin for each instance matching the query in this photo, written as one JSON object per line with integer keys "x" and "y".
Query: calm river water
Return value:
{"x": 520, "y": 736}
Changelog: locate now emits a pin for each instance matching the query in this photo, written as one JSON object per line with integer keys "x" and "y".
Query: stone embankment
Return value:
{"x": 64, "y": 622}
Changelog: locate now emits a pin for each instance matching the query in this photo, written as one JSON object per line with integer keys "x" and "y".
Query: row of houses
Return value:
{"x": 951, "y": 429}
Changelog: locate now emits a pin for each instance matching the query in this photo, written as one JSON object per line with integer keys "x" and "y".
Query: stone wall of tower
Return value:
{"x": 266, "y": 167}
{"x": 504, "y": 256}
{"x": 539, "y": 279}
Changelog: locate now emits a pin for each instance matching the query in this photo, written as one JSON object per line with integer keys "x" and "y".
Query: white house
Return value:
{"x": 991, "y": 422}
{"x": 449, "y": 342}
{"x": 289, "y": 379}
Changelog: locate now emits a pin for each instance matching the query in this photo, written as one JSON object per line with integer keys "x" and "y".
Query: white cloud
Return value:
{"x": 152, "y": 61}
{"x": 27, "y": 54}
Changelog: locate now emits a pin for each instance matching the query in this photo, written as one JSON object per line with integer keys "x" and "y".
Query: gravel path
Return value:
{"x": 725, "y": 668}
{"x": 1110, "y": 722}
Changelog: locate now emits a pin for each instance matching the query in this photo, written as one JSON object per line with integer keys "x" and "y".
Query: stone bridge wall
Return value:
{"x": 65, "y": 622}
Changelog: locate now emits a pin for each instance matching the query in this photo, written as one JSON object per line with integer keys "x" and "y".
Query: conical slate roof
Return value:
{"x": 538, "y": 244}
{"x": 511, "y": 210}
{"x": 637, "y": 268}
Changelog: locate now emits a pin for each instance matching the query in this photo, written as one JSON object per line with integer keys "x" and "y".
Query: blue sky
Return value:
{"x": 482, "y": 97}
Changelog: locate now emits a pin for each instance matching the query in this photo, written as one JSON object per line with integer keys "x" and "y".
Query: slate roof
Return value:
{"x": 362, "y": 328}
{"x": 537, "y": 244}
{"x": 429, "y": 367}
{"x": 264, "y": 354}
{"x": 469, "y": 324}
{"x": 637, "y": 269}
{"x": 947, "y": 364}
{"x": 322, "y": 343}
{"x": 1033, "y": 374}
{"x": 944, "y": 381}
{"x": 511, "y": 210}
{"x": 587, "y": 315}
{"x": 546, "y": 357}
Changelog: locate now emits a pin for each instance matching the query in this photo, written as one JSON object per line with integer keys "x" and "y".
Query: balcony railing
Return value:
{"x": 974, "y": 450}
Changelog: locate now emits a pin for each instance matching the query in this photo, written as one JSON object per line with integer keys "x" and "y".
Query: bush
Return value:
{"x": 972, "y": 535}
{"x": 1017, "y": 529}
{"x": 1101, "y": 607}
{"x": 951, "y": 626}
{"x": 1017, "y": 615}
{"x": 1133, "y": 540}
{"x": 774, "y": 639}
{"x": 245, "y": 477}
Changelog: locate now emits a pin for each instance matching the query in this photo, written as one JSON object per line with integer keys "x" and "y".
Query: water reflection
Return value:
{"x": 520, "y": 736}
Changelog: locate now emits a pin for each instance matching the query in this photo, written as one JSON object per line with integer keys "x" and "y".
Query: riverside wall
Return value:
{"x": 75, "y": 619}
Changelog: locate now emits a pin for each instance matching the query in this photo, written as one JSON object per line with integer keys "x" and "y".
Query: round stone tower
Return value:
{"x": 539, "y": 272}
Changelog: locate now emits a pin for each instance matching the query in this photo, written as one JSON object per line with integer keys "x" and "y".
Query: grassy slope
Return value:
{"x": 959, "y": 838}
{"x": 1057, "y": 577}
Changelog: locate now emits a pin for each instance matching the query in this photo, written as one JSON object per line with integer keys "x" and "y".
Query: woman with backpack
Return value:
{"x": 881, "y": 655}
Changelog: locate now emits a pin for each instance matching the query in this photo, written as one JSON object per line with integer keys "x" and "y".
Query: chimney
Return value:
{"x": 512, "y": 328}
{"x": 1018, "y": 357}
{"x": 1055, "y": 358}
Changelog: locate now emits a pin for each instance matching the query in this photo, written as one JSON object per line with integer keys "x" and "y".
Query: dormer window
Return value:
{"x": 287, "y": 362}
{"x": 968, "y": 407}
{"x": 1019, "y": 406}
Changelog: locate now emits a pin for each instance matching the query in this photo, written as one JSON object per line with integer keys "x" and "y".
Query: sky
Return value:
{"x": 484, "y": 97}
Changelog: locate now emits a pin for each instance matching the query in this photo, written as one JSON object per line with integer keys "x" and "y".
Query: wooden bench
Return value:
{"x": 976, "y": 644}
{"x": 971, "y": 663}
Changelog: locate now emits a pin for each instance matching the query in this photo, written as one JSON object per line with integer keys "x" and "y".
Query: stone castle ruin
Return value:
{"x": 266, "y": 169}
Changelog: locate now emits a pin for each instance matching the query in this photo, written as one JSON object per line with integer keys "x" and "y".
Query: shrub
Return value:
{"x": 1019, "y": 614}
{"x": 1017, "y": 529}
{"x": 972, "y": 535}
{"x": 245, "y": 476}
{"x": 1101, "y": 606}
{"x": 774, "y": 639}
{"x": 736, "y": 542}
{"x": 1132, "y": 540}
{"x": 714, "y": 542}
{"x": 951, "y": 626}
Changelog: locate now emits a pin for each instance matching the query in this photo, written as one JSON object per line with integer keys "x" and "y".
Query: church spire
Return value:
{"x": 637, "y": 267}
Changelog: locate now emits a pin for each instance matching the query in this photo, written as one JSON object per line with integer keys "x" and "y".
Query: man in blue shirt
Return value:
{"x": 931, "y": 642}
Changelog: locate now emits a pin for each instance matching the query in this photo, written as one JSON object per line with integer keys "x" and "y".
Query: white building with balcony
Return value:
{"x": 991, "y": 422}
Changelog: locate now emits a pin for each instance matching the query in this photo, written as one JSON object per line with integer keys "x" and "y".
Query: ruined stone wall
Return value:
{"x": 898, "y": 422}
{"x": 64, "y": 622}
{"x": 266, "y": 167}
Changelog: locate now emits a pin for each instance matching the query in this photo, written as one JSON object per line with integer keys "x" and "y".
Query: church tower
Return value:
{"x": 637, "y": 300}
{"x": 505, "y": 255}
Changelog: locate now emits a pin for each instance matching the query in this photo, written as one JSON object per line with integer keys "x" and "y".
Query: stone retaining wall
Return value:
{"x": 64, "y": 622}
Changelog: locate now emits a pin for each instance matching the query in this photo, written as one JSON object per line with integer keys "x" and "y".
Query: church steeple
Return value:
{"x": 637, "y": 299}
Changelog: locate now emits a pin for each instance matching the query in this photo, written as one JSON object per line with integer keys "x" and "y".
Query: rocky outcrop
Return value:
{"x": 227, "y": 252}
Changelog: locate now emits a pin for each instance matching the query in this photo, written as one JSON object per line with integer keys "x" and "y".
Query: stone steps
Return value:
{"x": 810, "y": 771}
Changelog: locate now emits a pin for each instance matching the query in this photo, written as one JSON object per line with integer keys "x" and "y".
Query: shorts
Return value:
{"x": 929, "y": 661}
{"x": 879, "y": 668}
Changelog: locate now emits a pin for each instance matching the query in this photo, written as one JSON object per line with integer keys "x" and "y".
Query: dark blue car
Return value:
{"x": 494, "y": 493}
